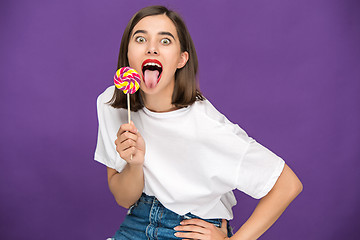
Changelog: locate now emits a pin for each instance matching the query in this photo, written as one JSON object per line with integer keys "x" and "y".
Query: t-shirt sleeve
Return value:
{"x": 252, "y": 168}
{"x": 105, "y": 151}
{"x": 258, "y": 170}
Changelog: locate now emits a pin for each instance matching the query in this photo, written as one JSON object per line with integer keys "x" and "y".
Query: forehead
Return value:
{"x": 156, "y": 24}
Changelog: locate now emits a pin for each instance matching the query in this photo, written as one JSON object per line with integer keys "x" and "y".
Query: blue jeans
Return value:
{"x": 149, "y": 219}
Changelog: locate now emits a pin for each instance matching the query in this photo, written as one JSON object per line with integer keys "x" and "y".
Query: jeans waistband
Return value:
{"x": 147, "y": 199}
{"x": 152, "y": 205}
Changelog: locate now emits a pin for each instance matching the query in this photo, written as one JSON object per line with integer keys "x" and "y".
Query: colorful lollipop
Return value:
{"x": 127, "y": 80}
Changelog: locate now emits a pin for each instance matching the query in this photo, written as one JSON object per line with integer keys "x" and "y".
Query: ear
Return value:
{"x": 184, "y": 57}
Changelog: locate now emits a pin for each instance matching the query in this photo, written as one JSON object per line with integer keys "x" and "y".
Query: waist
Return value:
{"x": 154, "y": 216}
{"x": 203, "y": 204}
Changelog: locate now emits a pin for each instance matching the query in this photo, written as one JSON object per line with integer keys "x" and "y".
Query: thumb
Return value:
{"x": 224, "y": 225}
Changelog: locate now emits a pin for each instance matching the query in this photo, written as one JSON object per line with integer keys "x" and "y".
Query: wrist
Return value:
{"x": 135, "y": 166}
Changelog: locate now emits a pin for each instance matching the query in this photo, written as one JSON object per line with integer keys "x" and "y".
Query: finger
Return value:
{"x": 224, "y": 225}
{"x": 128, "y": 135}
{"x": 190, "y": 235}
{"x": 138, "y": 133}
{"x": 123, "y": 138}
{"x": 126, "y": 154}
{"x": 197, "y": 221}
{"x": 193, "y": 228}
{"x": 126, "y": 144}
{"x": 127, "y": 128}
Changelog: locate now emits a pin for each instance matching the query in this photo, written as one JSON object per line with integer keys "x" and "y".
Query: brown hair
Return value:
{"x": 186, "y": 89}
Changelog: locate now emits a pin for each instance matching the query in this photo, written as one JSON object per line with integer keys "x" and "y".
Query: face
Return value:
{"x": 154, "y": 52}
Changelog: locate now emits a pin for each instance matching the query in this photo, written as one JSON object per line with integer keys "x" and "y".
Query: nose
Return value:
{"x": 152, "y": 50}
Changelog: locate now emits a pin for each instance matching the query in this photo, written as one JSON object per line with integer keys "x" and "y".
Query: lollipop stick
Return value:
{"x": 128, "y": 103}
{"x": 129, "y": 119}
{"x": 127, "y": 80}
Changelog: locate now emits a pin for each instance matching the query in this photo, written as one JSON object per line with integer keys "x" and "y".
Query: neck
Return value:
{"x": 160, "y": 100}
{"x": 157, "y": 103}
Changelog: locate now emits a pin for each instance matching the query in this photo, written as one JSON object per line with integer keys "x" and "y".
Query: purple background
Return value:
{"x": 286, "y": 71}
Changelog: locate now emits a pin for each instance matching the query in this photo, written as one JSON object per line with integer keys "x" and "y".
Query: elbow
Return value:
{"x": 300, "y": 187}
{"x": 291, "y": 182}
{"x": 123, "y": 204}
{"x": 296, "y": 188}
{"x": 119, "y": 200}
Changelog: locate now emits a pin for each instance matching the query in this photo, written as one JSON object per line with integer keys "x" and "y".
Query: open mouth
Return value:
{"x": 151, "y": 72}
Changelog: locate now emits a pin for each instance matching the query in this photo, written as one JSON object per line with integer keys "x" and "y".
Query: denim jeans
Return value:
{"x": 149, "y": 219}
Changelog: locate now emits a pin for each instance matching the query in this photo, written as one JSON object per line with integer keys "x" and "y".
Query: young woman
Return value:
{"x": 176, "y": 164}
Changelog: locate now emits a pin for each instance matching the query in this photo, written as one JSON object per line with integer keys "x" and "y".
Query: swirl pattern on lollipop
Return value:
{"x": 127, "y": 79}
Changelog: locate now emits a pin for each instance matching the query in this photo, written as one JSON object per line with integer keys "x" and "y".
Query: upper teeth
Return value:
{"x": 152, "y": 64}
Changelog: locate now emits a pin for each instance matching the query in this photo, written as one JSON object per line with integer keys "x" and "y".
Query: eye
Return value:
{"x": 140, "y": 39}
{"x": 165, "y": 41}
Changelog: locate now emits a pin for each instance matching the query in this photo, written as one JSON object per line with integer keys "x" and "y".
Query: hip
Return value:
{"x": 149, "y": 219}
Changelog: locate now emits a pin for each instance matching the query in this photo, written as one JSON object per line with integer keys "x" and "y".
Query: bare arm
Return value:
{"x": 270, "y": 207}
{"x": 128, "y": 185}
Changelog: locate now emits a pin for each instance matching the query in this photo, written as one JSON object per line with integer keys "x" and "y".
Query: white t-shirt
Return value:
{"x": 194, "y": 157}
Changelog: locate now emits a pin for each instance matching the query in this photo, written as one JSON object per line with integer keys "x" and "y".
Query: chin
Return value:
{"x": 147, "y": 90}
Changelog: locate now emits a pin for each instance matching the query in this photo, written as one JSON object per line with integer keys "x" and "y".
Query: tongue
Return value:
{"x": 151, "y": 78}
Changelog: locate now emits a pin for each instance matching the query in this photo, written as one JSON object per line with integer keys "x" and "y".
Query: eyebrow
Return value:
{"x": 160, "y": 33}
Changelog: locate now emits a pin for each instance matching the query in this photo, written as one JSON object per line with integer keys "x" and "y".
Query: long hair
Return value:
{"x": 186, "y": 89}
